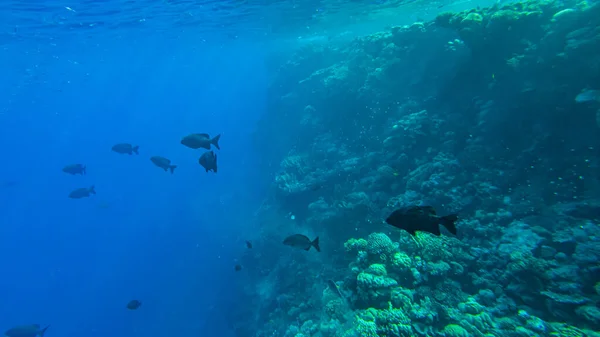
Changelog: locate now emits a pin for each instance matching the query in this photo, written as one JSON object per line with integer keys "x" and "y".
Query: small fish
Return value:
{"x": 83, "y": 192}
{"x": 30, "y": 330}
{"x": 133, "y": 304}
{"x": 588, "y": 95}
{"x": 238, "y": 267}
{"x": 163, "y": 163}
{"x": 125, "y": 148}
{"x": 208, "y": 160}
{"x": 249, "y": 244}
{"x": 334, "y": 287}
{"x": 421, "y": 218}
{"x": 302, "y": 242}
{"x": 200, "y": 140}
{"x": 75, "y": 169}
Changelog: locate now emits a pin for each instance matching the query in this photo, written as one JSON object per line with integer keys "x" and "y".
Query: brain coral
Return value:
{"x": 379, "y": 243}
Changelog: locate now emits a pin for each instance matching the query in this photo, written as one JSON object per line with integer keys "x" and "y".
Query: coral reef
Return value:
{"x": 473, "y": 113}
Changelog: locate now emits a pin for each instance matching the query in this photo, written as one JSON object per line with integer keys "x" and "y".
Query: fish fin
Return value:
{"x": 307, "y": 248}
{"x": 172, "y": 168}
{"x": 92, "y": 189}
{"x": 206, "y": 170}
{"x": 448, "y": 221}
{"x": 203, "y": 135}
{"x": 411, "y": 231}
{"x": 315, "y": 244}
{"x": 43, "y": 331}
{"x": 135, "y": 149}
{"x": 84, "y": 170}
{"x": 215, "y": 141}
{"x": 215, "y": 163}
{"x": 165, "y": 168}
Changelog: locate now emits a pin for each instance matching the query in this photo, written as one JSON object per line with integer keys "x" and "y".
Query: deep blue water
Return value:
{"x": 67, "y": 96}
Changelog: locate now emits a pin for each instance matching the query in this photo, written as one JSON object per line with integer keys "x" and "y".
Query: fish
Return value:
{"x": 421, "y": 219}
{"x": 83, "y": 192}
{"x": 302, "y": 242}
{"x": 124, "y": 148}
{"x": 237, "y": 267}
{"x": 249, "y": 244}
{"x": 588, "y": 95}
{"x": 30, "y": 330}
{"x": 208, "y": 160}
{"x": 75, "y": 169}
{"x": 334, "y": 287}
{"x": 133, "y": 304}
{"x": 200, "y": 140}
{"x": 163, "y": 163}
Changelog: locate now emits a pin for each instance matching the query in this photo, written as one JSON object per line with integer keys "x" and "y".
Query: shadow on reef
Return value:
{"x": 474, "y": 113}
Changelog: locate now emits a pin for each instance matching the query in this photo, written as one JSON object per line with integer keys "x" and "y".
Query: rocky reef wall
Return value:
{"x": 491, "y": 113}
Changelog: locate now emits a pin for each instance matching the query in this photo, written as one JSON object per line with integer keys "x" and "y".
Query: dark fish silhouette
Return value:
{"x": 163, "y": 163}
{"x": 334, "y": 287}
{"x": 200, "y": 140}
{"x": 30, "y": 330}
{"x": 302, "y": 242}
{"x": 133, "y": 304}
{"x": 208, "y": 160}
{"x": 83, "y": 192}
{"x": 75, "y": 169}
{"x": 249, "y": 244}
{"x": 423, "y": 219}
{"x": 238, "y": 267}
{"x": 125, "y": 148}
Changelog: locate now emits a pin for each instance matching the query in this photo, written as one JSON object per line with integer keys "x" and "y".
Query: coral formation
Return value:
{"x": 473, "y": 113}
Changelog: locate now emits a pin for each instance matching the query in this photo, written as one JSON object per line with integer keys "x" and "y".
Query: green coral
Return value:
{"x": 370, "y": 281}
{"x": 377, "y": 270}
{"x": 355, "y": 245}
{"x": 401, "y": 261}
{"x": 402, "y": 298}
{"x": 454, "y": 330}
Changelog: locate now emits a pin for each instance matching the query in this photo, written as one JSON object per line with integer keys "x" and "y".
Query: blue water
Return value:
{"x": 67, "y": 94}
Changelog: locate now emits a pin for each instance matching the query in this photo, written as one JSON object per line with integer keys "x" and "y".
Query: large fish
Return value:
{"x": 163, "y": 163}
{"x": 126, "y": 148}
{"x": 422, "y": 219}
{"x": 200, "y": 140}
{"x": 75, "y": 169}
{"x": 83, "y": 192}
{"x": 30, "y": 330}
{"x": 302, "y": 242}
{"x": 208, "y": 160}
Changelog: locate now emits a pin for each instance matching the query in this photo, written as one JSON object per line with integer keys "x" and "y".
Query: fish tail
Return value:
{"x": 215, "y": 141}
{"x": 135, "y": 149}
{"x": 84, "y": 170}
{"x": 43, "y": 331}
{"x": 92, "y": 189}
{"x": 448, "y": 221}
{"x": 315, "y": 244}
{"x": 172, "y": 168}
